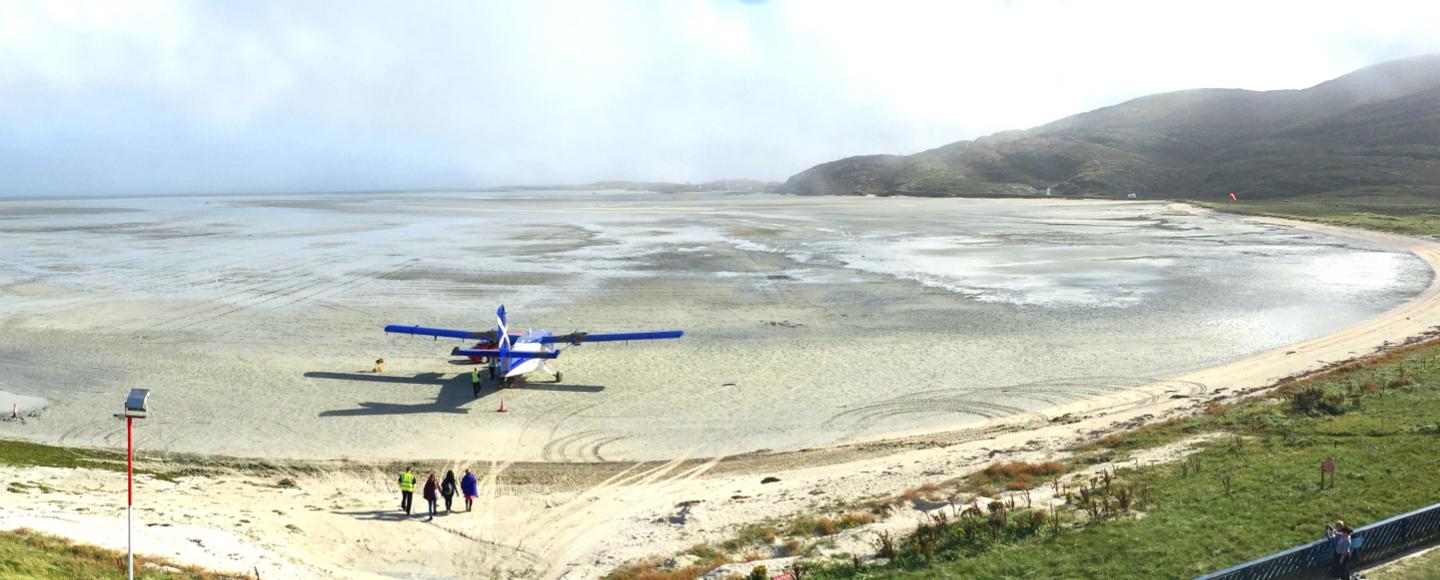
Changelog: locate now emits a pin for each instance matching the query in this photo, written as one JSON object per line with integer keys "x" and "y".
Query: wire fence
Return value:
{"x": 1376, "y": 542}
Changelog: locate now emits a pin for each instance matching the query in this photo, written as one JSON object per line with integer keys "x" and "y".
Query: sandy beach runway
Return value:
{"x": 848, "y": 346}
{"x": 811, "y": 322}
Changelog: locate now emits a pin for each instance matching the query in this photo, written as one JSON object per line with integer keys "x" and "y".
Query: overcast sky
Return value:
{"x": 109, "y": 97}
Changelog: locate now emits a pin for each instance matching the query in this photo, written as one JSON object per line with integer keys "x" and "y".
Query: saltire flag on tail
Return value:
{"x": 1232, "y": 196}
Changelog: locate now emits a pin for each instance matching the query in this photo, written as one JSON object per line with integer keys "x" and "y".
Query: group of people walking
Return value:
{"x": 433, "y": 491}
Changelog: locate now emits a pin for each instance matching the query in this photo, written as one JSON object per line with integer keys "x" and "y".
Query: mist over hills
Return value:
{"x": 1374, "y": 129}
{"x": 730, "y": 185}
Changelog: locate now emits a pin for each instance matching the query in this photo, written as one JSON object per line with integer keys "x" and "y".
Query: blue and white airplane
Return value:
{"x": 510, "y": 355}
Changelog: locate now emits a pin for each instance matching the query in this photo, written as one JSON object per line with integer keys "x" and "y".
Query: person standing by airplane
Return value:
{"x": 447, "y": 488}
{"x": 407, "y": 490}
{"x": 432, "y": 489}
{"x": 475, "y": 380}
{"x": 470, "y": 487}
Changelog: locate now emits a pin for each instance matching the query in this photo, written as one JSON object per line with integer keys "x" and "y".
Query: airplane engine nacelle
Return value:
{"x": 482, "y": 346}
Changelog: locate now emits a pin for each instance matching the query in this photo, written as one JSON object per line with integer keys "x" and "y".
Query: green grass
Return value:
{"x": 24, "y": 453}
{"x": 36, "y": 454}
{"x": 166, "y": 467}
{"x": 1400, "y": 211}
{"x": 1421, "y": 567}
{"x": 1385, "y": 440}
{"x": 27, "y": 554}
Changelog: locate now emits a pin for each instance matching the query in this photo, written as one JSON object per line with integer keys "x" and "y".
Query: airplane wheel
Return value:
{"x": 557, "y": 376}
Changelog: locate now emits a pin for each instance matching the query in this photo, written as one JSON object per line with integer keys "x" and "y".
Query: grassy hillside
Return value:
{"x": 1378, "y": 127}
{"x": 1251, "y": 491}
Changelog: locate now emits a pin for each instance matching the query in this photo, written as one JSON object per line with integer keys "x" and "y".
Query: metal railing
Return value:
{"x": 1375, "y": 543}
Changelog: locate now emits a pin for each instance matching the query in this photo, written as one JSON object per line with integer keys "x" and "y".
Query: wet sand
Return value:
{"x": 811, "y": 322}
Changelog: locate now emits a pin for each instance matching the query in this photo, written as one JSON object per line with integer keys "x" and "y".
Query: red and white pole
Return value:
{"x": 129, "y": 495}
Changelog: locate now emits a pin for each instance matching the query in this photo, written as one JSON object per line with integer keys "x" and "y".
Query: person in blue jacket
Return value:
{"x": 470, "y": 487}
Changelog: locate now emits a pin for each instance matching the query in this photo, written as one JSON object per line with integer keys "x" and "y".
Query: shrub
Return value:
{"x": 885, "y": 544}
{"x": 1015, "y": 475}
{"x": 749, "y": 536}
{"x": 1332, "y": 404}
{"x": 853, "y": 519}
{"x": 1305, "y": 401}
{"x": 708, "y": 553}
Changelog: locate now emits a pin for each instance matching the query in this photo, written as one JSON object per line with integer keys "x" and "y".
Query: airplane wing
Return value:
{"x": 442, "y": 332}
{"x": 518, "y": 355}
{"x": 579, "y": 337}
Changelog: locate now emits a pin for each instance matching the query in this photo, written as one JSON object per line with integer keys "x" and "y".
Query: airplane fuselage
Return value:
{"x": 529, "y": 342}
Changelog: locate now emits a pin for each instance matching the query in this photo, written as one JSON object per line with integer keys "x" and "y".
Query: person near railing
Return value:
{"x": 1339, "y": 537}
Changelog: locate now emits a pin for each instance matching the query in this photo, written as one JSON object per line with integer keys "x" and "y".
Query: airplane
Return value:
{"x": 512, "y": 355}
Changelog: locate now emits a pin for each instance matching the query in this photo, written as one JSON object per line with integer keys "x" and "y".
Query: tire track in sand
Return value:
{"x": 1137, "y": 392}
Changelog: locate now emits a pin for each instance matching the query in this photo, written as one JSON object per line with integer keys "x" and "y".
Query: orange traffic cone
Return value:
{"x": 502, "y": 406}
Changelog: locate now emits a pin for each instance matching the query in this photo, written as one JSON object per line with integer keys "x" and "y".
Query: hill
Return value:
{"x": 1378, "y": 127}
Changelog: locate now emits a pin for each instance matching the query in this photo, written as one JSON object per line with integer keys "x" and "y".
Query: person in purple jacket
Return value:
{"x": 470, "y": 487}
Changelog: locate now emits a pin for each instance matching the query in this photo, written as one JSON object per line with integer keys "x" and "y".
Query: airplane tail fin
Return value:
{"x": 503, "y": 341}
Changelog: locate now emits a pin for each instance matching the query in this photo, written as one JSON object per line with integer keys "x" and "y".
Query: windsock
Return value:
{"x": 1232, "y": 197}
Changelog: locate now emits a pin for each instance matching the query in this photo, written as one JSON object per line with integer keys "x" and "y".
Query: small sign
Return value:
{"x": 1327, "y": 466}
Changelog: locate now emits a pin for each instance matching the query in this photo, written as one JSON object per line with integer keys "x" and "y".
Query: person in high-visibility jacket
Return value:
{"x": 407, "y": 490}
{"x": 475, "y": 380}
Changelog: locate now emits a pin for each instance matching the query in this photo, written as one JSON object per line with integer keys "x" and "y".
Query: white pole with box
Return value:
{"x": 134, "y": 409}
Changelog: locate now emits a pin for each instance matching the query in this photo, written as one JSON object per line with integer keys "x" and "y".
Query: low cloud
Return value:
{"x": 109, "y": 98}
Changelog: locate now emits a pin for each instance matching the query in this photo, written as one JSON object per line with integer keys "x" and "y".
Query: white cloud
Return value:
{"x": 109, "y": 97}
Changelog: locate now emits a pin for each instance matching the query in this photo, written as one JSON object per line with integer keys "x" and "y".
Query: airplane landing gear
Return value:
{"x": 557, "y": 377}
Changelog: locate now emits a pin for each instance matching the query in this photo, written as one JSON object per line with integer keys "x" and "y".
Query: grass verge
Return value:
{"x": 1252, "y": 491}
{"x": 1389, "y": 210}
{"x": 24, "y": 453}
{"x": 28, "y": 554}
{"x": 1424, "y": 566}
